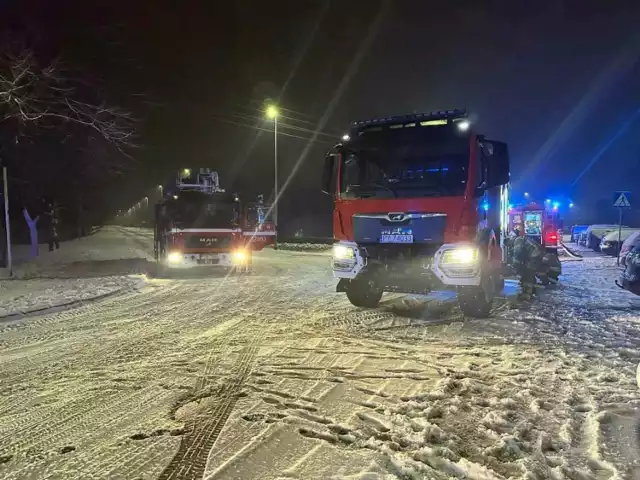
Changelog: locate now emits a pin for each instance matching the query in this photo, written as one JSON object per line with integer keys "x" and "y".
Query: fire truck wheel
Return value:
{"x": 363, "y": 292}
{"x": 473, "y": 302}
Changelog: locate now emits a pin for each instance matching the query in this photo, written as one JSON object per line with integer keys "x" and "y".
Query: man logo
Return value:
{"x": 396, "y": 217}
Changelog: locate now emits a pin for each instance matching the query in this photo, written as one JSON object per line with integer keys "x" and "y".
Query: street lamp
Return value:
{"x": 346, "y": 137}
{"x": 272, "y": 113}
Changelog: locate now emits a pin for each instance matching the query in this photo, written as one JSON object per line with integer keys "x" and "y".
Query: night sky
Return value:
{"x": 557, "y": 80}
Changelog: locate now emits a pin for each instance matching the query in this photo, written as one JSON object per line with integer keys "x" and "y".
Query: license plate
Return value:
{"x": 208, "y": 259}
{"x": 396, "y": 238}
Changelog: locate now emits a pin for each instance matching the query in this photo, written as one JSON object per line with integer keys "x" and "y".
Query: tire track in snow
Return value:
{"x": 191, "y": 459}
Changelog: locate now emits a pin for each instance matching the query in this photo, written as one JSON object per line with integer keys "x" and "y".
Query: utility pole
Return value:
{"x": 621, "y": 199}
{"x": 619, "y": 238}
{"x": 272, "y": 113}
{"x": 275, "y": 169}
{"x": 5, "y": 185}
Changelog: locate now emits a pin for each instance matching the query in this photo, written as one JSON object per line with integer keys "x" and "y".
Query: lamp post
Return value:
{"x": 272, "y": 113}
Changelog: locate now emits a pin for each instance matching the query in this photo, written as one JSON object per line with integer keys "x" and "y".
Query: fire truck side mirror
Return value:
{"x": 498, "y": 170}
{"x": 328, "y": 177}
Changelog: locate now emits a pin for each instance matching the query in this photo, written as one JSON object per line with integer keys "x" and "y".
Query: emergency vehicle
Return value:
{"x": 198, "y": 223}
{"x": 420, "y": 204}
{"x": 539, "y": 221}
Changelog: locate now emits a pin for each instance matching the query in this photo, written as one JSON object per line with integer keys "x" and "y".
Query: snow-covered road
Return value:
{"x": 272, "y": 375}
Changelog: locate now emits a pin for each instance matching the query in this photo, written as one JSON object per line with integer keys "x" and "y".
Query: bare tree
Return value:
{"x": 31, "y": 93}
{"x": 42, "y": 103}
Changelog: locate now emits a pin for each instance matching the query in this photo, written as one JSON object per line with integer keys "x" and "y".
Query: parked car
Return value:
{"x": 576, "y": 230}
{"x": 594, "y": 234}
{"x": 582, "y": 238}
{"x": 609, "y": 243}
{"x": 632, "y": 241}
{"x": 630, "y": 278}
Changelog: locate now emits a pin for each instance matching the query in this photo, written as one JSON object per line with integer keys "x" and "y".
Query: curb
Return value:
{"x": 570, "y": 252}
{"x": 74, "y": 303}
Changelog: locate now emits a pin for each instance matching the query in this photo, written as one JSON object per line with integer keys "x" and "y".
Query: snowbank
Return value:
{"x": 304, "y": 247}
{"x": 84, "y": 269}
{"x": 111, "y": 251}
{"x": 20, "y": 297}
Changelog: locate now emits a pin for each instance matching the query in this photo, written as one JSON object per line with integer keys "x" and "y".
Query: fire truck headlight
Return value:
{"x": 463, "y": 125}
{"x": 175, "y": 257}
{"x": 340, "y": 252}
{"x": 460, "y": 256}
{"x": 239, "y": 256}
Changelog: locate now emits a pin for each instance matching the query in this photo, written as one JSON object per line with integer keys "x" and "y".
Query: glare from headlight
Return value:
{"x": 174, "y": 257}
{"x": 239, "y": 256}
{"x": 340, "y": 252}
{"x": 464, "y": 255}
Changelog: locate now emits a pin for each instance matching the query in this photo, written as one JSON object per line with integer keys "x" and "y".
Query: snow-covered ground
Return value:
{"x": 28, "y": 296}
{"x": 273, "y": 375}
{"x": 108, "y": 262}
{"x": 110, "y": 250}
{"x": 305, "y": 247}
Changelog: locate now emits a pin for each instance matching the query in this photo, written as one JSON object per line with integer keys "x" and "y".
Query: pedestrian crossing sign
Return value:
{"x": 622, "y": 199}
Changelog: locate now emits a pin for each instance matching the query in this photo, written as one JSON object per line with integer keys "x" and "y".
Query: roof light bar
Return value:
{"x": 415, "y": 117}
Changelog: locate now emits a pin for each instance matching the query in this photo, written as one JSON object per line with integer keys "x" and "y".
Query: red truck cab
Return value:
{"x": 420, "y": 204}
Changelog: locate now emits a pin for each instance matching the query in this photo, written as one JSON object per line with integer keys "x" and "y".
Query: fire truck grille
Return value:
{"x": 212, "y": 241}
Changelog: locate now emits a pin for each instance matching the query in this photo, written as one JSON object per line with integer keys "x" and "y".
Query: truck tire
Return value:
{"x": 473, "y": 302}
{"x": 363, "y": 293}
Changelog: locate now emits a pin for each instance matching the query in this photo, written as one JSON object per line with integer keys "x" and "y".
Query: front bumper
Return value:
{"x": 458, "y": 264}
{"x": 181, "y": 260}
{"x": 454, "y": 264}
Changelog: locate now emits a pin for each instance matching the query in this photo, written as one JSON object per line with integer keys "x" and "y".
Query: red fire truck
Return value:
{"x": 198, "y": 223}
{"x": 420, "y": 204}
{"x": 539, "y": 221}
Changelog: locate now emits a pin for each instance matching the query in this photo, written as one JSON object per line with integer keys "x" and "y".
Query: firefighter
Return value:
{"x": 509, "y": 242}
{"x": 552, "y": 266}
{"x": 527, "y": 262}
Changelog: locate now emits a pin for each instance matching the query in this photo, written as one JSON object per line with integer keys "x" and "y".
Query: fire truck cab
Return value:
{"x": 420, "y": 204}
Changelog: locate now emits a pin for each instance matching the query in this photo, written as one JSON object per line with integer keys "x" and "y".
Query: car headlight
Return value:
{"x": 460, "y": 256}
{"x": 340, "y": 252}
{"x": 239, "y": 256}
{"x": 175, "y": 257}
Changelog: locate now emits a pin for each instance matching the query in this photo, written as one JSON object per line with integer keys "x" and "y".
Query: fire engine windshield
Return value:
{"x": 196, "y": 210}
{"x": 402, "y": 162}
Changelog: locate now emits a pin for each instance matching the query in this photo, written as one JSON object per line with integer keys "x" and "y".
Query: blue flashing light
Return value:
{"x": 571, "y": 205}
{"x": 548, "y": 200}
{"x": 510, "y": 206}
{"x": 485, "y": 206}
{"x": 556, "y": 205}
